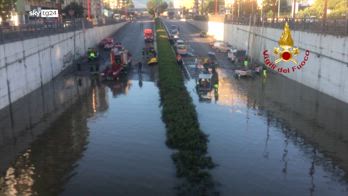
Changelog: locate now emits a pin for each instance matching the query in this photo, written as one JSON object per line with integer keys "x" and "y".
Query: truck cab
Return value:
{"x": 148, "y": 35}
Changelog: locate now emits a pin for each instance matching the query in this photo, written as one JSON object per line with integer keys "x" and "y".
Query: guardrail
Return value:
{"x": 333, "y": 27}
{"x": 15, "y": 33}
{"x": 338, "y": 27}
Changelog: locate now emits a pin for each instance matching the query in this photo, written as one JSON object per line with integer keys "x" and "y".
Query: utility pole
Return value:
{"x": 325, "y": 13}
{"x": 216, "y": 7}
{"x": 202, "y": 11}
{"x": 238, "y": 8}
{"x": 278, "y": 9}
{"x": 347, "y": 20}
{"x": 294, "y": 9}
{"x": 261, "y": 12}
{"x": 89, "y": 9}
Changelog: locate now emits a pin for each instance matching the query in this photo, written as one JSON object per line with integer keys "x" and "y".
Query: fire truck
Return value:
{"x": 121, "y": 60}
{"x": 148, "y": 35}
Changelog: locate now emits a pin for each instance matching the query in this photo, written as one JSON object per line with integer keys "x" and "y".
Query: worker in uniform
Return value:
{"x": 140, "y": 65}
{"x": 91, "y": 54}
{"x": 246, "y": 63}
{"x": 179, "y": 59}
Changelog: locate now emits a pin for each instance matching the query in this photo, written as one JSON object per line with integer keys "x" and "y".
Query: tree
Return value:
{"x": 210, "y": 6}
{"x": 244, "y": 8}
{"x": 170, "y": 4}
{"x": 338, "y": 9}
{"x": 6, "y": 7}
{"x": 77, "y": 8}
{"x": 156, "y": 7}
{"x": 270, "y": 7}
{"x": 129, "y": 4}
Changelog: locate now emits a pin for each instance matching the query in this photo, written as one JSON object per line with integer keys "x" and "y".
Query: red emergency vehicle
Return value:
{"x": 120, "y": 60}
{"x": 148, "y": 35}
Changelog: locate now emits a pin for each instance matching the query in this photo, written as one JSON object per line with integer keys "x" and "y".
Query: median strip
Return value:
{"x": 183, "y": 131}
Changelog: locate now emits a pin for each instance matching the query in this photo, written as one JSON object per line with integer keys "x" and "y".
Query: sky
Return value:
{"x": 140, "y": 3}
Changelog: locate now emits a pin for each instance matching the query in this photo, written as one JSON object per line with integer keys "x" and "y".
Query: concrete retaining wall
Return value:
{"x": 327, "y": 67}
{"x": 33, "y": 114}
{"x": 28, "y": 64}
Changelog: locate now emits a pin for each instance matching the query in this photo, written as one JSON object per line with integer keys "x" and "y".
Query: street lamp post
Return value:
{"x": 278, "y": 9}
{"x": 325, "y": 14}
{"x": 294, "y": 9}
{"x": 72, "y": 13}
{"x": 216, "y": 6}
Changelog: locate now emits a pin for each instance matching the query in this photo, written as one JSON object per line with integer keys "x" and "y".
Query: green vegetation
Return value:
{"x": 6, "y": 7}
{"x": 183, "y": 132}
{"x": 156, "y": 7}
{"x": 73, "y": 8}
{"x": 336, "y": 9}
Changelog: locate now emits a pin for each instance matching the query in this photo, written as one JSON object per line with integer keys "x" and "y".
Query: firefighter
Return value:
{"x": 264, "y": 71}
{"x": 246, "y": 63}
{"x": 179, "y": 59}
{"x": 91, "y": 54}
{"x": 140, "y": 65}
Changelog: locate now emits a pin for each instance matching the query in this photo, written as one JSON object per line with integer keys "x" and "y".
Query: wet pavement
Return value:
{"x": 270, "y": 136}
{"x": 78, "y": 135}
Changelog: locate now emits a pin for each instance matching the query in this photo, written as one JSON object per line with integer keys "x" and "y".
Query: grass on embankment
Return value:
{"x": 180, "y": 117}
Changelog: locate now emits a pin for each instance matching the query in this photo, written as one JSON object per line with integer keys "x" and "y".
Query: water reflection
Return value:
{"x": 45, "y": 166}
{"x": 316, "y": 117}
{"x": 33, "y": 114}
{"x": 294, "y": 132}
{"x": 121, "y": 86}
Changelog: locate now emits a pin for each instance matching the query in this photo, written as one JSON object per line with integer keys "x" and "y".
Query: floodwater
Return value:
{"x": 80, "y": 136}
{"x": 264, "y": 144}
{"x": 109, "y": 142}
{"x": 270, "y": 136}
{"x": 126, "y": 153}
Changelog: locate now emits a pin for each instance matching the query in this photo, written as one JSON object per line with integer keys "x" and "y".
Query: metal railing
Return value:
{"x": 28, "y": 31}
{"x": 338, "y": 27}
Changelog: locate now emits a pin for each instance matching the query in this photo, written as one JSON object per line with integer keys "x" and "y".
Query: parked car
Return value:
{"x": 221, "y": 46}
{"x": 173, "y": 27}
{"x": 174, "y": 31}
{"x": 182, "y": 50}
{"x": 236, "y": 56}
{"x": 179, "y": 42}
{"x": 211, "y": 44}
{"x": 176, "y": 37}
{"x": 203, "y": 34}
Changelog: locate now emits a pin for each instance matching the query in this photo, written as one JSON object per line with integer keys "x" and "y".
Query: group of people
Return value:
{"x": 149, "y": 52}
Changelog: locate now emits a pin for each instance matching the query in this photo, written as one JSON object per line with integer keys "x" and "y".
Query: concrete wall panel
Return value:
{"x": 30, "y": 63}
{"x": 326, "y": 70}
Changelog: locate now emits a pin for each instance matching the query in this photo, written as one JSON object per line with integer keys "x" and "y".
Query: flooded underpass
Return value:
{"x": 78, "y": 135}
{"x": 270, "y": 136}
